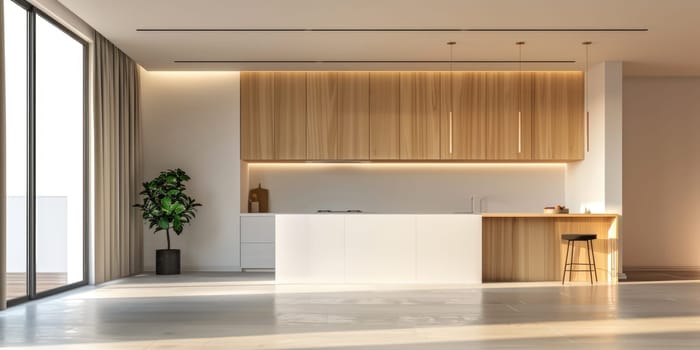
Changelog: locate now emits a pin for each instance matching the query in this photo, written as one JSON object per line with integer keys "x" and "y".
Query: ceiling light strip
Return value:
{"x": 373, "y": 61}
{"x": 392, "y": 29}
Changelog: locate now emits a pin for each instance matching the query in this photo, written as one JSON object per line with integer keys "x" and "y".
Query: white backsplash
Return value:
{"x": 410, "y": 188}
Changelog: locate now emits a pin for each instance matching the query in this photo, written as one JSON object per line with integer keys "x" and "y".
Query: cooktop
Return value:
{"x": 339, "y": 211}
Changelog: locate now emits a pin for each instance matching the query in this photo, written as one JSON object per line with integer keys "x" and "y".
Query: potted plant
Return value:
{"x": 166, "y": 207}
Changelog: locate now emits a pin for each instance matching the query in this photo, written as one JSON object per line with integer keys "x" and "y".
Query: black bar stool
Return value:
{"x": 571, "y": 238}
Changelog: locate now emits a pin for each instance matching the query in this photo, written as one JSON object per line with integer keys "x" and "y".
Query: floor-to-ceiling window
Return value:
{"x": 16, "y": 135}
{"x": 59, "y": 156}
{"x": 46, "y": 154}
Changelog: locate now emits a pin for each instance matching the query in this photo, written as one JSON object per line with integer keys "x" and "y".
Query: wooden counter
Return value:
{"x": 542, "y": 215}
{"x": 523, "y": 247}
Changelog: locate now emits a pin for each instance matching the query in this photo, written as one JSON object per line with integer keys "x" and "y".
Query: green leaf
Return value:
{"x": 166, "y": 203}
{"x": 163, "y": 223}
{"x": 178, "y": 228}
{"x": 178, "y": 208}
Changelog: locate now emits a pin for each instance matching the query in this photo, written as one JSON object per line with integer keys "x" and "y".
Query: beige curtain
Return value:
{"x": 118, "y": 226}
{"x": 3, "y": 198}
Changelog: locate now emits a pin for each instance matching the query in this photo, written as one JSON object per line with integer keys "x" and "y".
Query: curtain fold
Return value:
{"x": 3, "y": 197}
{"x": 118, "y": 163}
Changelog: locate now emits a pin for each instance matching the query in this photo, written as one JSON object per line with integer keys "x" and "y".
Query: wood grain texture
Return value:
{"x": 507, "y": 94}
{"x": 353, "y": 115}
{"x": 290, "y": 115}
{"x": 604, "y": 247}
{"x": 558, "y": 121}
{"x": 321, "y": 115}
{"x": 542, "y": 215}
{"x": 384, "y": 103}
{"x": 419, "y": 115}
{"x": 527, "y": 249}
{"x": 257, "y": 116}
{"x": 468, "y": 117}
{"x": 295, "y": 116}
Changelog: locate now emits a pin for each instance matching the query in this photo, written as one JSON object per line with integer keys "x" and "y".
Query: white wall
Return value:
{"x": 596, "y": 182}
{"x": 613, "y": 137}
{"x": 191, "y": 121}
{"x": 409, "y": 188}
{"x": 662, "y": 172}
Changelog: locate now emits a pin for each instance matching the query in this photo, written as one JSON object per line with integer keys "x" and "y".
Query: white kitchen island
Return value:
{"x": 378, "y": 248}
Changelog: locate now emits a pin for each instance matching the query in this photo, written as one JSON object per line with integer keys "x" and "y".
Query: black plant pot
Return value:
{"x": 167, "y": 261}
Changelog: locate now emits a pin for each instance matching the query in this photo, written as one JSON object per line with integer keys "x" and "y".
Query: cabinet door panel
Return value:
{"x": 322, "y": 115}
{"x": 353, "y": 115}
{"x": 258, "y": 255}
{"x": 420, "y": 109}
{"x": 290, "y": 115}
{"x": 558, "y": 116}
{"x": 509, "y": 115}
{"x": 384, "y": 105}
{"x": 257, "y": 116}
{"x": 257, "y": 229}
{"x": 464, "y": 138}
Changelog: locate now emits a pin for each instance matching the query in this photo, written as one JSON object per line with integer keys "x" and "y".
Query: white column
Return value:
{"x": 596, "y": 182}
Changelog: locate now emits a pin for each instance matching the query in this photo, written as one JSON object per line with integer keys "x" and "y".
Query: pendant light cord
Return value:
{"x": 585, "y": 87}
{"x": 451, "y": 44}
{"x": 587, "y": 73}
{"x": 520, "y": 76}
{"x": 520, "y": 95}
{"x": 451, "y": 56}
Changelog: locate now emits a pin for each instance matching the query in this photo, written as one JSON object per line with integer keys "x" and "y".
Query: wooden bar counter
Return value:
{"x": 528, "y": 247}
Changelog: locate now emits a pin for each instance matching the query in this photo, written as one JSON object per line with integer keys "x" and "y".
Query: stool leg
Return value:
{"x": 595, "y": 269}
{"x": 588, "y": 255}
{"x": 566, "y": 261}
{"x": 571, "y": 267}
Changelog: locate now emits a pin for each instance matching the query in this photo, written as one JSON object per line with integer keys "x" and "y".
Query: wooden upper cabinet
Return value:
{"x": 421, "y": 104}
{"x": 384, "y": 102}
{"x": 495, "y": 116}
{"x": 509, "y": 116}
{"x": 558, "y": 123}
{"x": 257, "y": 116}
{"x": 290, "y": 115}
{"x": 353, "y": 115}
{"x": 464, "y": 133}
{"x": 321, "y": 115}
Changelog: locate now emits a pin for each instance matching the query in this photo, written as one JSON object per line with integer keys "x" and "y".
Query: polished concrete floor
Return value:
{"x": 247, "y": 311}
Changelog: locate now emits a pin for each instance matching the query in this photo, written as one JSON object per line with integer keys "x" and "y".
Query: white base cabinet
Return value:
{"x": 378, "y": 248}
{"x": 257, "y": 242}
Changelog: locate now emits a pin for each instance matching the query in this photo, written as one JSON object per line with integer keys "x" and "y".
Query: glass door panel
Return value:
{"x": 59, "y": 157}
{"x": 15, "y": 18}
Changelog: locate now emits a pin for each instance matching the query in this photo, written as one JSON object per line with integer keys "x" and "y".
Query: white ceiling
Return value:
{"x": 671, "y": 47}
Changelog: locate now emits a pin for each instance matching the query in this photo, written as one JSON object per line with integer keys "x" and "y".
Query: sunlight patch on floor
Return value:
{"x": 412, "y": 336}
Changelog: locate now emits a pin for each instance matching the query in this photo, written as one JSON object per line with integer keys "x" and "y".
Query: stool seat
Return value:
{"x": 578, "y": 237}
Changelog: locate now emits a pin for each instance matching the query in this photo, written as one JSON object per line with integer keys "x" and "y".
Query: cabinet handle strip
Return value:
{"x": 588, "y": 132}
{"x": 520, "y": 132}
{"x": 450, "y": 132}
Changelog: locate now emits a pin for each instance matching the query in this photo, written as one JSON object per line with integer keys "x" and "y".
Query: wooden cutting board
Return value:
{"x": 261, "y": 196}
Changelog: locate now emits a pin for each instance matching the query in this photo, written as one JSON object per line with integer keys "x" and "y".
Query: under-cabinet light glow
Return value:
{"x": 407, "y": 166}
